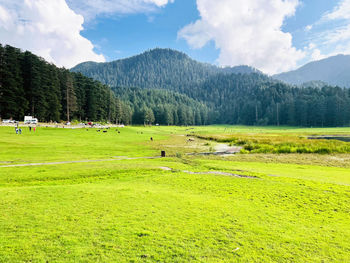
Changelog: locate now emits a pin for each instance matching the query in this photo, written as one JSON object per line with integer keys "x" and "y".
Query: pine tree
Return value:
{"x": 71, "y": 100}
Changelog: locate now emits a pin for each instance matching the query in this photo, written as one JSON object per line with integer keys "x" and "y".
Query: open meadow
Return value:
{"x": 78, "y": 195}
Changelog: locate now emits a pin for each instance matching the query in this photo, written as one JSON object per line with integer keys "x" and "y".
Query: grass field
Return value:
{"x": 183, "y": 208}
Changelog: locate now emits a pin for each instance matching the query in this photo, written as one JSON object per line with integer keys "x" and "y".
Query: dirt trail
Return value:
{"x": 227, "y": 149}
{"x": 212, "y": 172}
{"x": 164, "y": 168}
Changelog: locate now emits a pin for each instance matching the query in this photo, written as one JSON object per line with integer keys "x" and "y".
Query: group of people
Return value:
{"x": 19, "y": 130}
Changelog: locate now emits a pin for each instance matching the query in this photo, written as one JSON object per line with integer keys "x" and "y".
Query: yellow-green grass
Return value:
{"x": 50, "y": 144}
{"x": 281, "y": 140}
{"x": 133, "y": 211}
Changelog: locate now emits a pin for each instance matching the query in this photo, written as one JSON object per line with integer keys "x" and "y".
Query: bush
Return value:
{"x": 323, "y": 151}
{"x": 284, "y": 149}
{"x": 243, "y": 151}
{"x": 248, "y": 147}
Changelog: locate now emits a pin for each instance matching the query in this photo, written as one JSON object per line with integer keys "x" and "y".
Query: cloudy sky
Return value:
{"x": 271, "y": 35}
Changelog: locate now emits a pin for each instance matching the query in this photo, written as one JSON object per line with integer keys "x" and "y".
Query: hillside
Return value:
{"x": 167, "y": 107}
{"x": 239, "y": 95}
{"x": 157, "y": 68}
{"x": 30, "y": 85}
{"x": 333, "y": 70}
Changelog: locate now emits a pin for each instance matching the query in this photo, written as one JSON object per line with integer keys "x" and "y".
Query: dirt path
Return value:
{"x": 125, "y": 158}
{"x": 79, "y": 161}
{"x": 212, "y": 172}
{"x": 227, "y": 149}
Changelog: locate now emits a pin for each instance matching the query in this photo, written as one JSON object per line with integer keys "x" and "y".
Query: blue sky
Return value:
{"x": 126, "y": 35}
{"x": 271, "y": 35}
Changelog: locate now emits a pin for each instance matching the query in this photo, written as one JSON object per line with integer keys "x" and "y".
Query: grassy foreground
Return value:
{"x": 122, "y": 210}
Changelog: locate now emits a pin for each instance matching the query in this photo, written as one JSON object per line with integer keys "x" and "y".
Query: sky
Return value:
{"x": 271, "y": 35}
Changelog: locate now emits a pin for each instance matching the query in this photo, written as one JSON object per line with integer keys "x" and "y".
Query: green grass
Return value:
{"x": 50, "y": 144}
{"x": 132, "y": 211}
{"x": 282, "y": 142}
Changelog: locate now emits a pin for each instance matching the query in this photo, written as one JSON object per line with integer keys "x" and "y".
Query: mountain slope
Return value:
{"x": 157, "y": 68}
{"x": 333, "y": 70}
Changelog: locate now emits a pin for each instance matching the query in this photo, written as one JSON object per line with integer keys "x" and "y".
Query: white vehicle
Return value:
{"x": 6, "y": 121}
{"x": 30, "y": 120}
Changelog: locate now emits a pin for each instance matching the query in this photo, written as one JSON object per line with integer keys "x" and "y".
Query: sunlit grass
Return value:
{"x": 297, "y": 208}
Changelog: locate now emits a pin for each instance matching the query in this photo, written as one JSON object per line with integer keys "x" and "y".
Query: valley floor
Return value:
{"x": 107, "y": 197}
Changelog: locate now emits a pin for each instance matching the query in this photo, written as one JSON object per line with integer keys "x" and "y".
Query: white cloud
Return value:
{"x": 341, "y": 11}
{"x": 246, "y": 32}
{"x": 331, "y": 34}
{"x": 47, "y": 28}
{"x": 341, "y": 32}
{"x": 91, "y": 8}
{"x": 316, "y": 54}
{"x": 308, "y": 28}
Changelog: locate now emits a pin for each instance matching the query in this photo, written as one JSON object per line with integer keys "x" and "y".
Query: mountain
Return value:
{"x": 157, "y": 68}
{"x": 333, "y": 70}
{"x": 313, "y": 84}
{"x": 31, "y": 86}
{"x": 237, "y": 95}
{"x": 172, "y": 91}
{"x": 168, "y": 107}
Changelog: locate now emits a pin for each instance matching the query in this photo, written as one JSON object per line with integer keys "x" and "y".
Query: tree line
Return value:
{"x": 254, "y": 99}
{"x": 164, "y": 107}
{"x": 31, "y": 86}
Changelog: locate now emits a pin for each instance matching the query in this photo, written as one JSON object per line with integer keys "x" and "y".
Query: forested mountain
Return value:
{"x": 157, "y": 68}
{"x": 313, "y": 84}
{"x": 247, "y": 97}
{"x": 167, "y": 107}
{"x": 31, "y": 86}
{"x": 333, "y": 70}
{"x": 254, "y": 99}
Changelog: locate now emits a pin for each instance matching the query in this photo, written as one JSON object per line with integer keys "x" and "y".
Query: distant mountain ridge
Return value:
{"x": 333, "y": 70}
{"x": 186, "y": 97}
{"x": 171, "y": 88}
{"x": 156, "y": 68}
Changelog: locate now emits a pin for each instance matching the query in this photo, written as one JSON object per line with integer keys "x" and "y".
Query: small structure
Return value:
{"x": 30, "y": 120}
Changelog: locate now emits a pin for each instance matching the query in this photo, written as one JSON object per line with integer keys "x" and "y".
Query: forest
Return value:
{"x": 233, "y": 95}
{"x": 164, "y": 87}
{"x": 31, "y": 86}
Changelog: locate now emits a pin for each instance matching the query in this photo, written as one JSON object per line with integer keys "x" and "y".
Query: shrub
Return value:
{"x": 243, "y": 151}
{"x": 284, "y": 149}
{"x": 323, "y": 151}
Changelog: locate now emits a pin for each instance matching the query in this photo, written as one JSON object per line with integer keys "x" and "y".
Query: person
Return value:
{"x": 34, "y": 129}
{"x": 20, "y": 131}
{"x": 16, "y": 130}
{"x": 30, "y": 128}
{"x": 152, "y": 139}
